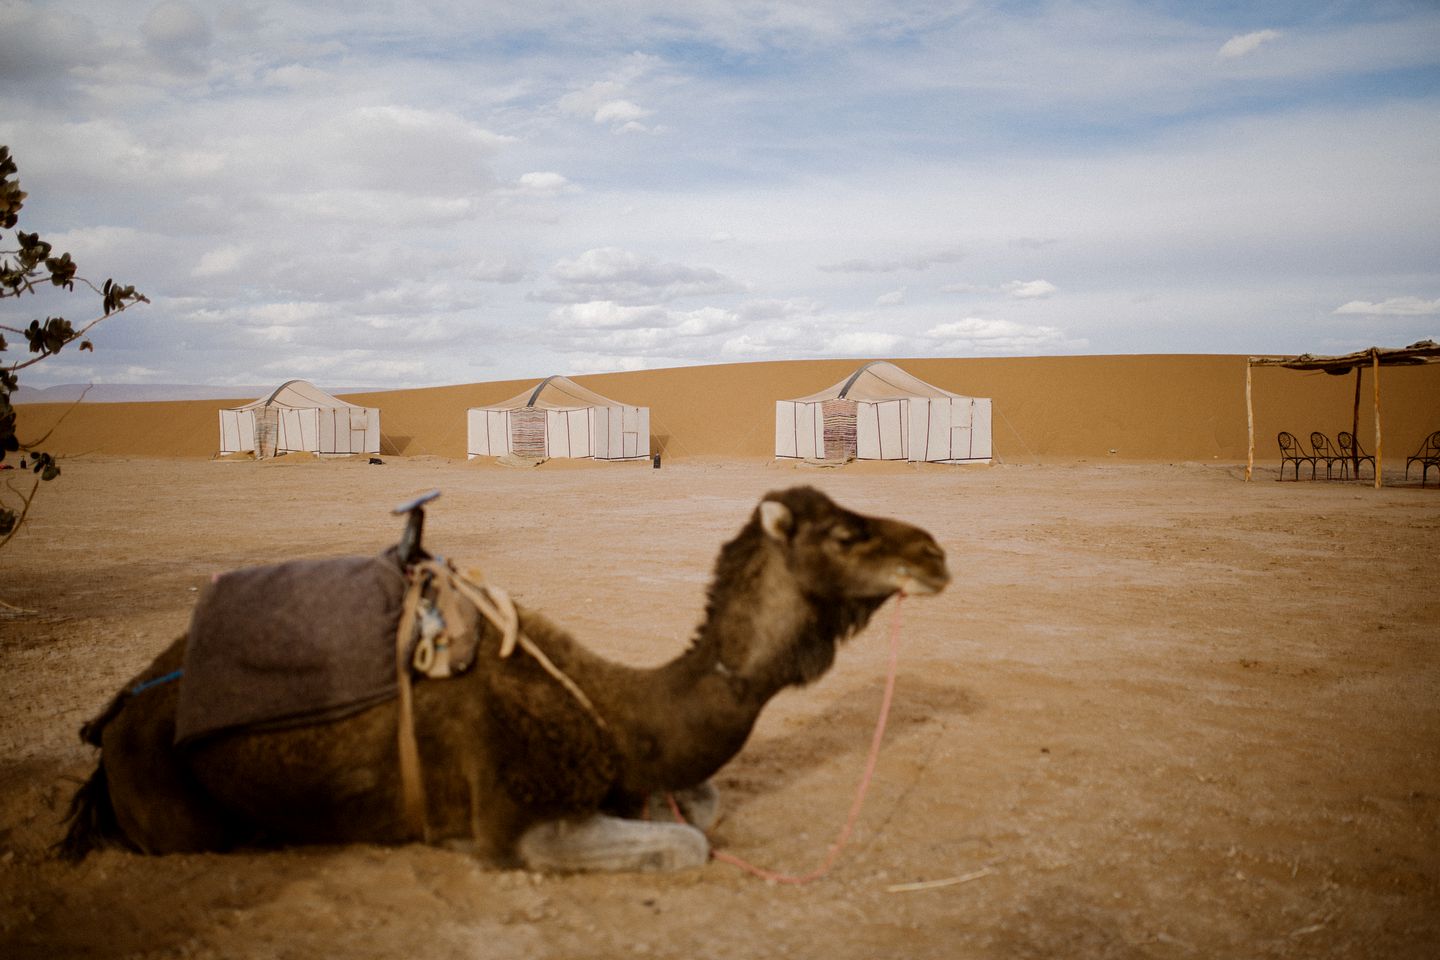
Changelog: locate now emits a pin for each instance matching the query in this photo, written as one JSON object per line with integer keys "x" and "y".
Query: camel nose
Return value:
{"x": 916, "y": 582}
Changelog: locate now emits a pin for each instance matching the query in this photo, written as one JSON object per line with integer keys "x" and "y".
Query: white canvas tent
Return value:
{"x": 880, "y": 412}
{"x": 299, "y": 417}
{"x": 559, "y": 418}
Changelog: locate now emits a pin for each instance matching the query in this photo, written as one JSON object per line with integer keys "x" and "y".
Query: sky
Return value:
{"x": 401, "y": 194}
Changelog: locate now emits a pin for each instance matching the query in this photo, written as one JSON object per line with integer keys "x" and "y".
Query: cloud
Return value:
{"x": 611, "y": 102}
{"x": 1246, "y": 43}
{"x": 779, "y": 309}
{"x": 329, "y": 156}
{"x": 610, "y": 273}
{"x": 977, "y": 335}
{"x": 598, "y": 363}
{"x": 861, "y": 343}
{"x": 543, "y": 184}
{"x": 620, "y": 113}
{"x": 496, "y": 270}
{"x": 607, "y": 315}
{"x": 1030, "y": 289}
{"x": 177, "y": 33}
{"x": 1392, "y": 307}
{"x": 921, "y": 261}
{"x": 1018, "y": 289}
{"x": 217, "y": 262}
{"x": 175, "y": 25}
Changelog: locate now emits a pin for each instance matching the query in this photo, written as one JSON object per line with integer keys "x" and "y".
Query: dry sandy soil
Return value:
{"x": 1160, "y": 713}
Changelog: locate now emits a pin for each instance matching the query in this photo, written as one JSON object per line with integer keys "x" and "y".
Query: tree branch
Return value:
{"x": 20, "y": 520}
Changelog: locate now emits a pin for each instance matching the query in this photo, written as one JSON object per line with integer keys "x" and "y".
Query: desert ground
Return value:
{"x": 1160, "y": 712}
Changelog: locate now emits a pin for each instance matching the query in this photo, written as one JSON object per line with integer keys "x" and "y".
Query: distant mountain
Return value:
{"x": 152, "y": 392}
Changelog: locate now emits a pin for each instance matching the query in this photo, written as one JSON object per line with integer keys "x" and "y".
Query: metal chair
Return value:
{"x": 1427, "y": 456}
{"x": 1325, "y": 450}
{"x": 1352, "y": 453}
{"x": 1290, "y": 452}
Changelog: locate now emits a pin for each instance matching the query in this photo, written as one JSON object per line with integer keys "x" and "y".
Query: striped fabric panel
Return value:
{"x": 527, "y": 433}
{"x": 839, "y": 429}
{"x": 267, "y": 432}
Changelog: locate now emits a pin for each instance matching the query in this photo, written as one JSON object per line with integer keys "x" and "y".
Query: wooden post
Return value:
{"x": 1249, "y": 420}
{"x": 1379, "y": 443}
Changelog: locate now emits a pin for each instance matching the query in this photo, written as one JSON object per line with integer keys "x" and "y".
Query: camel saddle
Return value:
{"x": 310, "y": 641}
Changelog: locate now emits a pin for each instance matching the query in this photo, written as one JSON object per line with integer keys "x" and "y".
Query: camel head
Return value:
{"x": 837, "y": 554}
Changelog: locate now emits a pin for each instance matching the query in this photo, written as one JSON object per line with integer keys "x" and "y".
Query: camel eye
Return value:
{"x": 845, "y": 534}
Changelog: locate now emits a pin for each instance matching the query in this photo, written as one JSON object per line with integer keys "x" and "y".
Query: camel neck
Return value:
{"x": 752, "y": 644}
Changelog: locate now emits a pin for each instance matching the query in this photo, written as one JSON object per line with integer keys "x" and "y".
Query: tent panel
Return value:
{"x": 371, "y": 420}
{"x": 957, "y": 430}
{"x": 557, "y": 434}
{"x": 488, "y": 432}
{"x": 297, "y": 430}
{"x": 577, "y": 429}
{"x": 960, "y": 431}
{"x": 615, "y": 433}
{"x": 786, "y": 443}
{"x": 891, "y": 440}
{"x": 600, "y": 432}
{"x": 330, "y": 431}
{"x": 641, "y": 432}
{"x": 980, "y": 436}
{"x": 237, "y": 431}
{"x": 947, "y": 430}
{"x": 806, "y": 429}
{"x": 867, "y": 431}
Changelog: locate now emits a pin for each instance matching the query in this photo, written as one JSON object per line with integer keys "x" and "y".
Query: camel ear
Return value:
{"x": 775, "y": 519}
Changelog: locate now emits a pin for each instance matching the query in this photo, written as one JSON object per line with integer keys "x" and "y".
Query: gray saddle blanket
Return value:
{"x": 291, "y": 644}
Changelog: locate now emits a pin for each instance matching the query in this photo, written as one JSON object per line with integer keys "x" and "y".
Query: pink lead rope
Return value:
{"x": 845, "y": 831}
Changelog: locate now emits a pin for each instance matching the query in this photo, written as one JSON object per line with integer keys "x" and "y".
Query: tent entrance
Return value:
{"x": 267, "y": 432}
{"x": 839, "y": 429}
{"x": 527, "y": 433}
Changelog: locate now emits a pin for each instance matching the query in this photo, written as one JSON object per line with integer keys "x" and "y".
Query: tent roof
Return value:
{"x": 878, "y": 380}
{"x": 1424, "y": 351}
{"x": 299, "y": 394}
{"x": 554, "y": 393}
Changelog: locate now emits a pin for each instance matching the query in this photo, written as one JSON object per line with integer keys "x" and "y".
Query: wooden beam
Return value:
{"x": 1379, "y": 442}
{"x": 1355, "y": 428}
{"x": 1249, "y": 420}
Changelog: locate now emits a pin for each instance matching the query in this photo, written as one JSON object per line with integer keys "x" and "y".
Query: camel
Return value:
{"x": 516, "y": 769}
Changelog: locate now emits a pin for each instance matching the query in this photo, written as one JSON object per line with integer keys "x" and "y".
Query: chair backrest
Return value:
{"x": 1434, "y": 442}
{"x": 1287, "y": 441}
{"x": 1321, "y": 444}
{"x": 1346, "y": 441}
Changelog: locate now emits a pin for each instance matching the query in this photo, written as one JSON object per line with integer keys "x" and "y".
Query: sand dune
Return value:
{"x": 1144, "y": 407}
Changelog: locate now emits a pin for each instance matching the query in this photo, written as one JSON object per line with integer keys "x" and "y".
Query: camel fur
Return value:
{"x": 514, "y": 768}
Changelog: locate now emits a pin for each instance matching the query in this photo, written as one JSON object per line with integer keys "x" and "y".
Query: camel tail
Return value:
{"x": 91, "y": 818}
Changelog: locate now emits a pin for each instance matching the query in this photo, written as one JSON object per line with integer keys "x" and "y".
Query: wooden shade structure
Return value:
{"x": 1425, "y": 351}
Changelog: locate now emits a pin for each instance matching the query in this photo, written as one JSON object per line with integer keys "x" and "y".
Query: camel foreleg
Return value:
{"x": 604, "y": 843}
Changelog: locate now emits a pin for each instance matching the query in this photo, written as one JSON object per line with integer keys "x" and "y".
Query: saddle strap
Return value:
{"x": 412, "y": 788}
{"x": 494, "y": 604}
